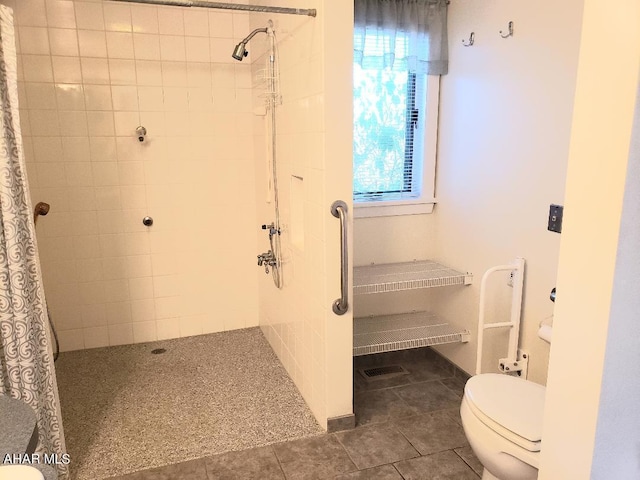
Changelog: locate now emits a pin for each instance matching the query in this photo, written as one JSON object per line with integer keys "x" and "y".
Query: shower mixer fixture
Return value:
{"x": 241, "y": 49}
{"x": 269, "y": 259}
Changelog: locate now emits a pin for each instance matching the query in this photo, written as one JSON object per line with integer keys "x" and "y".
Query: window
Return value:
{"x": 395, "y": 115}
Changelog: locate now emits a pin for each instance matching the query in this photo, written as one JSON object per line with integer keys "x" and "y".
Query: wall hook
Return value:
{"x": 510, "y": 34}
{"x": 472, "y": 39}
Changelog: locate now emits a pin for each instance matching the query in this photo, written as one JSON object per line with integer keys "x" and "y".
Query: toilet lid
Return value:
{"x": 511, "y": 402}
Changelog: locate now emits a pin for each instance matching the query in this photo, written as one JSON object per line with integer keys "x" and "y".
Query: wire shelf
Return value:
{"x": 387, "y": 333}
{"x": 393, "y": 277}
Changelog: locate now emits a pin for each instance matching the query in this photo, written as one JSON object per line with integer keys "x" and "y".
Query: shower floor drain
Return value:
{"x": 383, "y": 373}
{"x": 158, "y": 351}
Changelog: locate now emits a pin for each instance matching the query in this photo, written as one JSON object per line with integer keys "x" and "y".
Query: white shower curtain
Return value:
{"x": 26, "y": 358}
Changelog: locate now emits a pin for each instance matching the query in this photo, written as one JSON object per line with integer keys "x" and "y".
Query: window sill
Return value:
{"x": 391, "y": 209}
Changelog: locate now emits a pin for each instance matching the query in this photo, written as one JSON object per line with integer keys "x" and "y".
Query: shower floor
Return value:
{"x": 125, "y": 409}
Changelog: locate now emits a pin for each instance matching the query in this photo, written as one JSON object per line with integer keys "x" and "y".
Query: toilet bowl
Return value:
{"x": 502, "y": 419}
{"x": 19, "y": 472}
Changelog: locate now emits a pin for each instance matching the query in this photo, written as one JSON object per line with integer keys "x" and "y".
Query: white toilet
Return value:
{"x": 502, "y": 419}
{"x": 19, "y": 472}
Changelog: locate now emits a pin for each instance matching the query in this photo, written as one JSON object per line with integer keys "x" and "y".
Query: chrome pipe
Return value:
{"x": 311, "y": 12}
{"x": 341, "y": 305}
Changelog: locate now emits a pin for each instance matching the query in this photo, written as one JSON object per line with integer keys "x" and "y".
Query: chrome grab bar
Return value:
{"x": 341, "y": 305}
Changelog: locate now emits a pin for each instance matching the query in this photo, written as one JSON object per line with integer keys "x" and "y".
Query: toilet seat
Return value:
{"x": 510, "y": 406}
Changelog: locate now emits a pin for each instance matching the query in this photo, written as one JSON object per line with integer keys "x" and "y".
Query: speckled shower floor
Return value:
{"x": 125, "y": 409}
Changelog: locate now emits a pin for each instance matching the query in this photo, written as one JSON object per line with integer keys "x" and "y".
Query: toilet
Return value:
{"x": 502, "y": 419}
{"x": 19, "y": 472}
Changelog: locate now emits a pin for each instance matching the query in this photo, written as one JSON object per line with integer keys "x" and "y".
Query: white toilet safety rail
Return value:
{"x": 510, "y": 363}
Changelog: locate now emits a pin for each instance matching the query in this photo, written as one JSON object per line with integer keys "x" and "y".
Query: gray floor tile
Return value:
{"x": 456, "y": 384}
{"x": 432, "y": 432}
{"x": 131, "y": 476}
{"x": 376, "y": 445}
{"x": 313, "y": 458}
{"x": 193, "y": 470}
{"x": 439, "y": 466}
{"x": 422, "y": 364}
{"x": 379, "y": 406}
{"x": 429, "y": 396}
{"x": 385, "y": 472}
{"x": 253, "y": 464}
{"x": 470, "y": 459}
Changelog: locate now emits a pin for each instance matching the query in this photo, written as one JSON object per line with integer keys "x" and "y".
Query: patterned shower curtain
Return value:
{"x": 26, "y": 359}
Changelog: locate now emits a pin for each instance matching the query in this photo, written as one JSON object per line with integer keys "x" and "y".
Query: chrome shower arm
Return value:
{"x": 253, "y": 34}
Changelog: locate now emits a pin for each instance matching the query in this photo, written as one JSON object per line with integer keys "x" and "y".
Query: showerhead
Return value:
{"x": 241, "y": 49}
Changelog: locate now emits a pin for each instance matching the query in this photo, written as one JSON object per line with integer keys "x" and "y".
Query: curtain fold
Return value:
{"x": 26, "y": 359}
{"x": 422, "y": 24}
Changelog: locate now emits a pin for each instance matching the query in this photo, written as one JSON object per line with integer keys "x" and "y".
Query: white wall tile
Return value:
{"x": 74, "y": 122}
{"x": 241, "y": 26}
{"x": 120, "y": 45}
{"x": 44, "y": 123}
{"x": 196, "y": 23}
{"x": 221, "y": 50}
{"x": 221, "y": 24}
{"x": 171, "y": 21}
{"x": 78, "y": 174}
{"x": 126, "y": 123}
{"x": 93, "y": 315}
{"x": 146, "y": 46}
{"x": 197, "y": 49}
{"x": 60, "y": 13}
{"x": 95, "y": 70}
{"x": 96, "y": 337}
{"x": 70, "y": 96}
{"x": 117, "y": 18}
{"x": 127, "y": 65}
{"x": 149, "y": 72}
{"x": 31, "y": 12}
{"x": 101, "y": 124}
{"x": 47, "y": 149}
{"x": 144, "y": 19}
{"x": 34, "y": 40}
{"x": 174, "y": 74}
{"x": 120, "y": 334}
{"x": 103, "y": 149}
{"x": 140, "y": 288}
{"x": 89, "y": 16}
{"x": 172, "y": 48}
{"x": 92, "y": 43}
{"x": 67, "y": 69}
{"x": 41, "y": 95}
{"x": 199, "y": 74}
{"x": 168, "y": 328}
{"x": 125, "y": 98}
{"x": 144, "y": 332}
{"x": 144, "y": 310}
{"x": 71, "y": 340}
{"x": 118, "y": 313}
{"x": 151, "y": 99}
{"x": 122, "y": 71}
{"x": 37, "y": 68}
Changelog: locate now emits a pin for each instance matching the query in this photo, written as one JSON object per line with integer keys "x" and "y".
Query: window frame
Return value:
{"x": 426, "y": 201}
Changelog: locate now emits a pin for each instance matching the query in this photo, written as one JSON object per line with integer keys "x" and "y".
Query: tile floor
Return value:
{"x": 408, "y": 427}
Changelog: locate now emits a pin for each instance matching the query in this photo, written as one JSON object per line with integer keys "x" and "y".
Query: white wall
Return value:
{"x": 314, "y": 147}
{"x": 591, "y": 418}
{"x": 505, "y": 118}
{"x": 90, "y": 73}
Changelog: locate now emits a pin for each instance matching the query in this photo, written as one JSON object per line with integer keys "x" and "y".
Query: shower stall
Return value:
{"x": 157, "y": 239}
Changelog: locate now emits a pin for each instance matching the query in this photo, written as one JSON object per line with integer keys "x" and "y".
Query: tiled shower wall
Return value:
{"x": 90, "y": 72}
{"x": 314, "y": 150}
